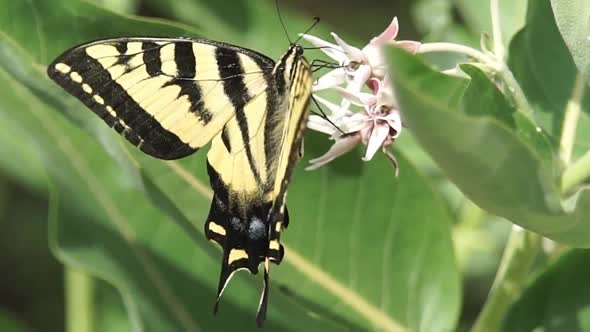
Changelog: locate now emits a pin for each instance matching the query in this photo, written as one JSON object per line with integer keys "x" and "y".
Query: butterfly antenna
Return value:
{"x": 319, "y": 64}
{"x": 324, "y": 116}
{"x": 316, "y": 20}
{"x": 282, "y": 22}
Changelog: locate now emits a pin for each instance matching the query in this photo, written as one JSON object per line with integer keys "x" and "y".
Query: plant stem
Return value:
{"x": 570, "y": 122}
{"x": 79, "y": 301}
{"x": 457, "y": 48}
{"x": 469, "y": 219}
{"x": 580, "y": 170}
{"x": 496, "y": 30}
{"x": 576, "y": 173}
{"x": 470, "y": 215}
{"x": 517, "y": 260}
{"x": 492, "y": 62}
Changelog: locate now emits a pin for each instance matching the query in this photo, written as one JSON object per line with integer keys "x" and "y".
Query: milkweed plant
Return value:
{"x": 504, "y": 88}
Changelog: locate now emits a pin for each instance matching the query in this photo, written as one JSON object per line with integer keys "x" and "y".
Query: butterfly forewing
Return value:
{"x": 170, "y": 97}
{"x": 163, "y": 95}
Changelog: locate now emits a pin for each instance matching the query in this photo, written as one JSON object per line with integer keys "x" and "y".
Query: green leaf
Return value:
{"x": 573, "y": 23}
{"x": 9, "y": 323}
{"x": 245, "y": 23}
{"x": 119, "y": 6}
{"x": 477, "y": 16}
{"x": 432, "y": 16}
{"x": 507, "y": 169}
{"x": 46, "y": 29}
{"x": 363, "y": 249}
{"x": 558, "y": 300}
{"x": 544, "y": 68}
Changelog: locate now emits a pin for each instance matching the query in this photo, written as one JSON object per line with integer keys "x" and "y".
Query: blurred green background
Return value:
{"x": 32, "y": 280}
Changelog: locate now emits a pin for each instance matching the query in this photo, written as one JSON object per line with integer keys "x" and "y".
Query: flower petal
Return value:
{"x": 352, "y": 53}
{"x": 329, "y": 80}
{"x": 374, "y": 84}
{"x": 361, "y": 76}
{"x": 333, "y": 108}
{"x": 378, "y": 136}
{"x": 355, "y": 85}
{"x": 318, "y": 123}
{"x": 354, "y": 122}
{"x": 376, "y": 59}
{"x": 342, "y": 146}
{"x": 356, "y": 97}
{"x": 388, "y": 34}
{"x": 408, "y": 45}
{"x": 331, "y": 50}
{"x": 394, "y": 121}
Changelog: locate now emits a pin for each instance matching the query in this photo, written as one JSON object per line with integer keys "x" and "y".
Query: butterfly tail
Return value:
{"x": 263, "y": 305}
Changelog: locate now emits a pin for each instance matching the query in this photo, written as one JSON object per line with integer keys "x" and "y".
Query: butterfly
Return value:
{"x": 171, "y": 96}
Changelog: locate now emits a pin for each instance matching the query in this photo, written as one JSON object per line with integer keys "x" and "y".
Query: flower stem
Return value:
{"x": 79, "y": 301}
{"x": 496, "y": 30}
{"x": 457, "y": 48}
{"x": 520, "y": 253}
{"x": 488, "y": 60}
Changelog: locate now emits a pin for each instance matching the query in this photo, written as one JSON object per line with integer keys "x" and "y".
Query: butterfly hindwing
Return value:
{"x": 171, "y": 96}
{"x": 248, "y": 211}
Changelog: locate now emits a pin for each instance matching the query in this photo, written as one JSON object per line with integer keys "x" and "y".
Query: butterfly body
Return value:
{"x": 170, "y": 97}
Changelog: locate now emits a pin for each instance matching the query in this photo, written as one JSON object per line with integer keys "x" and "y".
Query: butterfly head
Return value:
{"x": 294, "y": 52}
{"x": 288, "y": 67}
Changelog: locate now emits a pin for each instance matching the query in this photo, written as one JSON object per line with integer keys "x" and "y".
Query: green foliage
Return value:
{"x": 498, "y": 160}
{"x": 137, "y": 222}
{"x": 510, "y": 152}
{"x": 572, "y": 20}
{"x": 557, "y": 300}
{"x": 11, "y": 324}
{"x": 365, "y": 250}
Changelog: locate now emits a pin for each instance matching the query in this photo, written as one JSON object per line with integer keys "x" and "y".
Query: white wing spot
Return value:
{"x": 86, "y": 88}
{"x": 111, "y": 111}
{"x": 76, "y": 77}
{"x": 99, "y": 100}
{"x": 63, "y": 68}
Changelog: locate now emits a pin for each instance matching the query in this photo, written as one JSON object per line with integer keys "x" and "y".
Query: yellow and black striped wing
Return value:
{"x": 250, "y": 164}
{"x": 170, "y": 97}
{"x": 167, "y": 96}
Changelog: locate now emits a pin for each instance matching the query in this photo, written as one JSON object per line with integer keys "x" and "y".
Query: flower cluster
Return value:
{"x": 378, "y": 123}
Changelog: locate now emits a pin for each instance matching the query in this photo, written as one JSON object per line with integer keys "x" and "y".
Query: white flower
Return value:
{"x": 376, "y": 127}
{"x": 358, "y": 65}
{"x": 379, "y": 123}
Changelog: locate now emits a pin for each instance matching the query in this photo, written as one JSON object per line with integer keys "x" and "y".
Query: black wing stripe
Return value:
{"x": 272, "y": 107}
{"x": 230, "y": 67}
{"x": 150, "y": 136}
{"x": 151, "y": 58}
{"x": 184, "y": 57}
